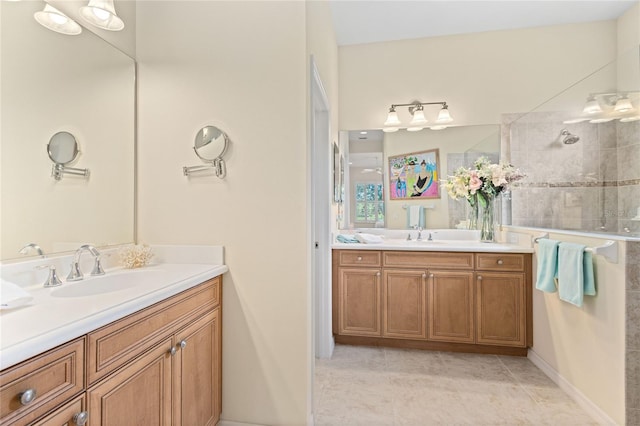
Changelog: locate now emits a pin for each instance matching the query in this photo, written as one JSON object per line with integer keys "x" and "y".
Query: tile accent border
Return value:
{"x": 630, "y": 182}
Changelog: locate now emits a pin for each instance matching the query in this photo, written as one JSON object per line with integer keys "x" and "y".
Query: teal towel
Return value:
{"x": 589, "y": 279}
{"x": 547, "y": 265}
{"x": 575, "y": 273}
{"x": 346, "y": 239}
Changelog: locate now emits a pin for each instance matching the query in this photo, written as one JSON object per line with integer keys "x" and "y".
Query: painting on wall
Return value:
{"x": 414, "y": 175}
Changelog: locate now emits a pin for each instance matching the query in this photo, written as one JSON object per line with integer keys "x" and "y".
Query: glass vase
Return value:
{"x": 472, "y": 216}
{"x": 487, "y": 219}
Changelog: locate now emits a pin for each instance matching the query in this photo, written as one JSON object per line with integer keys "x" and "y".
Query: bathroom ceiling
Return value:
{"x": 370, "y": 21}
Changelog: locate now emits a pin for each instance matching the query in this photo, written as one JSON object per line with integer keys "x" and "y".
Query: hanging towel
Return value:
{"x": 342, "y": 238}
{"x": 589, "y": 278}
{"x": 547, "y": 265}
{"x": 12, "y": 296}
{"x": 575, "y": 273}
{"x": 369, "y": 238}
{"x": 415, "y": 216}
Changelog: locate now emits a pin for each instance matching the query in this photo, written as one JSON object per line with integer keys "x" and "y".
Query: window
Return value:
{"x": 369, "y": 202}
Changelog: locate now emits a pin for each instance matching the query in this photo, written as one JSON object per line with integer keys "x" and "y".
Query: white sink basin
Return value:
{"x": 118, "y": 281}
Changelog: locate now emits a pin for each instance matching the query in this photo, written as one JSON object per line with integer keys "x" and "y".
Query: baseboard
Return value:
{"x": 232, "y": 423}
{"x": 592, "y": 409}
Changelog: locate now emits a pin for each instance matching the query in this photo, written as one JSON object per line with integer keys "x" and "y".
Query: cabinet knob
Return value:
{"x": 430, "y": 275}
{"x": 28, "y": 396}
{"x": 378, "y": 274}
{"x": 500, "y": 262}
{"x": 81, "y": 418}
{"x": 359, "y": 258}
{"x": 424, "y": 275}
{"x": 183, "y": 344}
{"x": 479, "y": 277}
{"x": 173, "y": 350}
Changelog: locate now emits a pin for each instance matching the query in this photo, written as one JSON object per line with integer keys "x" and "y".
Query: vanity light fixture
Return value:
{"x": 592, "y": 106}
{"x": 623, "y": 105}
{"x": 418, "y": 119}
{"x": 54, "y": 20}
{"x": 102, "y": 14}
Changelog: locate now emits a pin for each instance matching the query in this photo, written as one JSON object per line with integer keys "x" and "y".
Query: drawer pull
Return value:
{"x": 424, "y": 275}
{"x": 377, "y": 274}
{"x": 479, "y": 277}
{"x": 28, "y": 396}
{"x": 359, "y": 258}
{"x": 173, "y": 351}
{"x": 500, "y": 262}
{"x": 430, "y": 275}
{"x": 81, "y": 418}
{"x": 183, "y": 344}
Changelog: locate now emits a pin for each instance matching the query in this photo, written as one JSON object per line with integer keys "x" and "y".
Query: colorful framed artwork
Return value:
{"x": 414, "y": 175}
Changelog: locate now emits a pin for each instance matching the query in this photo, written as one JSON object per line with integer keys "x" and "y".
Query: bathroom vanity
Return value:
{"x": 438, "y": 296}
{"x": 153, "y": 358}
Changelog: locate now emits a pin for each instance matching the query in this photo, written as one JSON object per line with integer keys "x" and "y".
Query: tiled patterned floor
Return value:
{"x": 383, "y": 386}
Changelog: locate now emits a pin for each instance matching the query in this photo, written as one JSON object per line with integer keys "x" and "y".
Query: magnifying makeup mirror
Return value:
{"x": 210, "y": 145}
{"x": 63, "y": 149}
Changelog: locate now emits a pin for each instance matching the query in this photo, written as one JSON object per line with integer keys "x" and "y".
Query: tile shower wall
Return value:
{"x": 591, "y": 185}
{"x": 632, "y": 379}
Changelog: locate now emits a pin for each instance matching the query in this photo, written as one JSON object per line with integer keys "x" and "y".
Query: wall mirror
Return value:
{"x": 62, "y": 148}
{"x": 74, "y": 87}
{"x": 367, "y": 201}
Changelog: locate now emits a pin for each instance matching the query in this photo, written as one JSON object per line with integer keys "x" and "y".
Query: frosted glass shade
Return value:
{"x": 102, "y": 14}
{"x": 51, "y": 18}
{"x": 623, "y": 105}
{"x": 592, "y": 106}
{"x": 418, "y": 119}
{"x": 392, "y": 119}
{"x": 444, "y": 116}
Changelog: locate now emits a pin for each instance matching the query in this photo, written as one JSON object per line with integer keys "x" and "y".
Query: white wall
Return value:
{"x": 240, "y": 66}
{"x": 479, "y": 75}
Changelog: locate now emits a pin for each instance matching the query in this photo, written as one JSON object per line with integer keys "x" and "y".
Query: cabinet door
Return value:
{"x": 359, "y": 296}
{"x": 451, "y": 306}
{"x": 138, "y": 394}
{"x": 403, "y": 304}
{"x": 501, "y": 308}
{"x": 197, "y": 372}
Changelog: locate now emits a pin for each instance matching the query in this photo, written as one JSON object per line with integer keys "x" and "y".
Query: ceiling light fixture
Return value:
{"x": 51, "y": 18}
{"x": 418, "y": 119}
{"x": 102, "y": 14}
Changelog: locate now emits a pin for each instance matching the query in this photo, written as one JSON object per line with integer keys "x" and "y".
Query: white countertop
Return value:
{"x": 461, "y": 246}
{"x": 48, "y": 321}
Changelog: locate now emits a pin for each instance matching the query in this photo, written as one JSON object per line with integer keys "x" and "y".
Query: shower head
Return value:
{"x": 568, "y": 138}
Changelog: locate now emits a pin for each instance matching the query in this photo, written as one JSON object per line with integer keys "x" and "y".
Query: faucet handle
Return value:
{"x": 75, "y": 274}
{"x": 97, "y": 267}
{"x": 52, "y": 279}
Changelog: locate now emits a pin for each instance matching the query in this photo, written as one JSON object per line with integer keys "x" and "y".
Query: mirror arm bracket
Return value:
{"x": 217, "y": 165}
{"x": 59, "y": 170}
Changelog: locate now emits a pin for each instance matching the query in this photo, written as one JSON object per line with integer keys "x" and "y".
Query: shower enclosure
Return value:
{"x": 581, "y": 153}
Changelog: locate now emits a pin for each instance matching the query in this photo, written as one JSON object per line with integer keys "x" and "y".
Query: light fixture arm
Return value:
{"x": 417, "y": 104}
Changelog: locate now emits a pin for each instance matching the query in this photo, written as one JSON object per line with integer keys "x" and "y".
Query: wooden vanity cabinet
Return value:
{"x": 159, "y": 366}
{"x": 171, "y": 375}
{"x": 474, "y": 302}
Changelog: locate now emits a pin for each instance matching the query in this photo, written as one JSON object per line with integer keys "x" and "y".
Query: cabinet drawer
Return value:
{"x": 359, "y": 258}
{"x": 65, "y": 415}
{"x": 119, "y": 342}
{"x": 55, "y": 376}
{"x": 500, "y": 262}
{"x": 416, "y": 259}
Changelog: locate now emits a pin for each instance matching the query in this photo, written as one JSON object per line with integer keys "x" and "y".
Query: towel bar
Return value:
{"x": 609, "y": 250}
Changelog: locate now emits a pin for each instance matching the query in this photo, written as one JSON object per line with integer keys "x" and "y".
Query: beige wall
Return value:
{"x": 586, "y": 345}
{"x": 479, "y": 75}
{"x": 628, "y": 38}
{"x": 241, "y": 67}
{"x": 197, "y": 77}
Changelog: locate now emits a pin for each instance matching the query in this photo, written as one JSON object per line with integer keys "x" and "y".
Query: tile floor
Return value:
{"x": 384, "y": 386}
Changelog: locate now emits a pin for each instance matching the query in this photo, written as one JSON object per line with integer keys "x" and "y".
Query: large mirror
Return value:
{"x": 367, "y": 195}
{"x": 55, "y": 83}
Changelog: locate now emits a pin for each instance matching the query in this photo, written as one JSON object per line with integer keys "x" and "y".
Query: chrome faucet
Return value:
{"x": 75, "y": 274}
{"x": 419, "y": 234}
{"x": 26, "y": 249}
